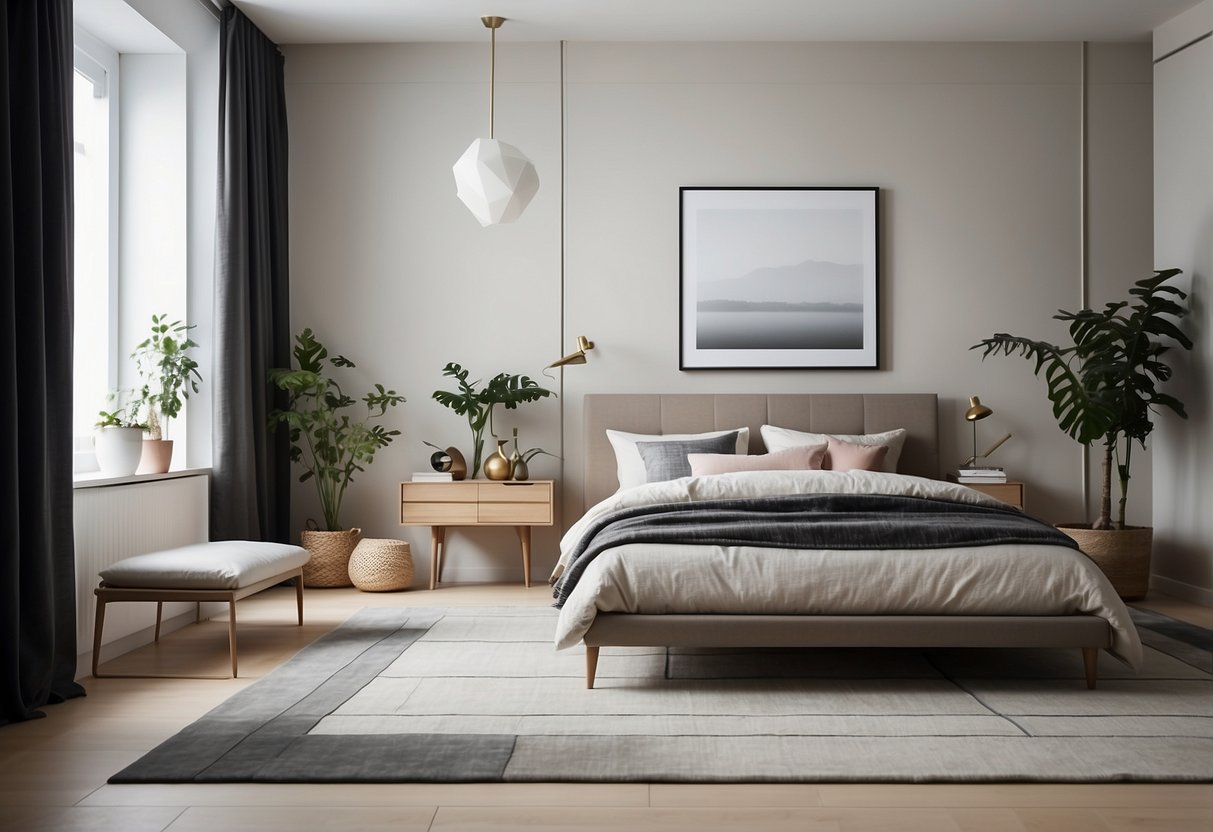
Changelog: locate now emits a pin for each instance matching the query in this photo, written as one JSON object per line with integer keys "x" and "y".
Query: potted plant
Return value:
{"x": 477, "y": 405}
{"x": 332, "y": 445}
{"x": 1104, "y": 387}
{"x": 119, "y": 438}
{"x": 169, "y": 375}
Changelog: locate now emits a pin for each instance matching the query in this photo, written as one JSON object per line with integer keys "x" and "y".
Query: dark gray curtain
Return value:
{"x": 37, "y": 556}
{"x": 251, "y": 480}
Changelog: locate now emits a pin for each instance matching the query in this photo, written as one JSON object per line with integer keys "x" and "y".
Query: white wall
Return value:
{"x": 977, "y": 149}
{"x": 389, "y": 268}
{"x": 1183, "y": 238}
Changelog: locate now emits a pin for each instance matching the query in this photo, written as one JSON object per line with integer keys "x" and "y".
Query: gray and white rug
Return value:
{"x": 476, "y": 695}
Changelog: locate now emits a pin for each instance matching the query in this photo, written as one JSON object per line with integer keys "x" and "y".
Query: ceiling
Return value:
{"x": 389, "y": 21}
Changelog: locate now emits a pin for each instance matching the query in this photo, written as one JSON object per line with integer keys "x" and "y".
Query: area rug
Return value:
{"x": 479, "y": 695}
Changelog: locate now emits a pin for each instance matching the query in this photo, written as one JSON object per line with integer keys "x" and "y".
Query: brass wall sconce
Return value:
{"x": 575, "y": 357}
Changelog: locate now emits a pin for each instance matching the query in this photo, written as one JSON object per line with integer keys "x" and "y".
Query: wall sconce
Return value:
{"x": 493, "y": 179}
{"x": 575, "y": 357}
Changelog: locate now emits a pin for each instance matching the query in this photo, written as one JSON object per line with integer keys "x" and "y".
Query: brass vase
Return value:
{"x": 497, "y": 466}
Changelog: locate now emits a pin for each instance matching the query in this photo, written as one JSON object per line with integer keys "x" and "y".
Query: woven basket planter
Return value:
{"x": 1121, "y": 554}
{"x": 330, "y": 561}
{"x": 379, "y": 565}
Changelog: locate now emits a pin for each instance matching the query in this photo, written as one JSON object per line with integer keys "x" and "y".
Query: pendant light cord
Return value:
{"x": 492, "y": 74}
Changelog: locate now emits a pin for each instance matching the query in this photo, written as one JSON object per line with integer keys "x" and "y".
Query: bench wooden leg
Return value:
{"x": 98, "y": 624}
{"x": 591, "y": 665}
{"x": 231, "y": 633}
{"x": 159, "y": 611}
{"x": 1090, "y": 664}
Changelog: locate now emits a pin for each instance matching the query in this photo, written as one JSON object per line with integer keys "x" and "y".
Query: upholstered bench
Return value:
{"x": 222, "y": 571}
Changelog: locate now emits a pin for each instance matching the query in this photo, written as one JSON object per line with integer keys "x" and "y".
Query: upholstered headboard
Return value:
{"x": 699, "y": 412}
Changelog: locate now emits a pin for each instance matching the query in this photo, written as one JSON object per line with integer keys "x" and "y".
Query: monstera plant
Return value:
{"x": 1104, "y": 387}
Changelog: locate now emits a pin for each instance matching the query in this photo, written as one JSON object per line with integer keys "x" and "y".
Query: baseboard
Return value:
{"x": 1182, "y": 591}
{"x": 489, "y": 575}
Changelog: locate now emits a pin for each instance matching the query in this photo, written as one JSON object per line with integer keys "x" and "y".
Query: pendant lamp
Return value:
{"x": 494, "y": 180}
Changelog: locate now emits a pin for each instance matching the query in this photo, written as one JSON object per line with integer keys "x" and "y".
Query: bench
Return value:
{"x": 224, "y": 571}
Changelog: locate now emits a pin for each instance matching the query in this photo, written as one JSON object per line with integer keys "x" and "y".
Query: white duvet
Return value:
{"x": 992, "y": 580}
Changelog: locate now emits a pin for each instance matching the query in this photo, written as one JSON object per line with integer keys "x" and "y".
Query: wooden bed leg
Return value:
{"x": 1090, "y": 662}
{"x": 159, "y": 610}
{"x": 591, "y": 665}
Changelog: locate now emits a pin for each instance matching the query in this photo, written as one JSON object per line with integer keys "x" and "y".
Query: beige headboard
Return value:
{"x": 699, "y": 412}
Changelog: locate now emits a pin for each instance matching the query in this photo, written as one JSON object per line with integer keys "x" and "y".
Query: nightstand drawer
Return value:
{"x": 517, "y": 514}
{"x": 439, "y": 514}
{"x": 515, "y": 492}
{"x": 438, "y": 492}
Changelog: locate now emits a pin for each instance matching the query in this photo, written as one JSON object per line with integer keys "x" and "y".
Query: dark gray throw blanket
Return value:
{"x": 809, "y": 521}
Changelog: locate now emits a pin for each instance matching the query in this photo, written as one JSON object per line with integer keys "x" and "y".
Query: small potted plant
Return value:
{"x": 477, "y": 405}
{"x": 331, "y": 445}
{"x": 1104, "y": 387}
{"x": 119, "y": 438}
{"x": 169, "y": 375}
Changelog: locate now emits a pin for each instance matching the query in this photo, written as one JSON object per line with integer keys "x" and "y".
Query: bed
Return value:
{"x": 674, "y": 593}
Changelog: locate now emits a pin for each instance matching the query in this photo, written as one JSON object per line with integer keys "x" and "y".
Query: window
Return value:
{"x": 129, "y": 108}
{"x": 95, "y": 288}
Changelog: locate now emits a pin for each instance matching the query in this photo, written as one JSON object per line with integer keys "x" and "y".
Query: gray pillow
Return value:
{"x": 668, "y": 460}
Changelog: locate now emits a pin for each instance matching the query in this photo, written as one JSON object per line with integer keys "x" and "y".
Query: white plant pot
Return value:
{"x": 118, "y": 450}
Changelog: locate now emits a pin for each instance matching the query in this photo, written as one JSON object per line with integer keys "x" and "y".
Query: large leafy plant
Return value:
{"x": 477, "y": 405}
{"x": 169, "y": 373}
{"x": 329, "y": 442}
{"x": 1104, "y": 386}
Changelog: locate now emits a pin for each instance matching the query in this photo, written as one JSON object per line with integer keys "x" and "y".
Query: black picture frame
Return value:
{"x": 778, "y": 278}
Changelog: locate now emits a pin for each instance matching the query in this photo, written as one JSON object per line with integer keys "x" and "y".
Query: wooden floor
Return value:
{"x": 54, "y": 769}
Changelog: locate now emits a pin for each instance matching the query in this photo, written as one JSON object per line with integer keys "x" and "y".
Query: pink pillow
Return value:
{"x": 847, "y": 456}
{"x": 804, "y": 458}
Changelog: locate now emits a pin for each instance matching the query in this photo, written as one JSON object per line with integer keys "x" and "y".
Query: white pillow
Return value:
{"x": 780, "y": 439}
{"x": 629, "y": 467}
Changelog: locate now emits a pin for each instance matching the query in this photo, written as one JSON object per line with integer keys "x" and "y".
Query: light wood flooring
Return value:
{"x": 54, "y": 769}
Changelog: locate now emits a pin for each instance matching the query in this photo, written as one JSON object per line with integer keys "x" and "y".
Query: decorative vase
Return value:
{"x": 521, "y": 470}
{"x": 1121, "y": 554}
{"x": 118, "y": 450}
{"x": 330, "y": 561}
{"x": 497, "y": 466}
{"x": 157, "y": 456}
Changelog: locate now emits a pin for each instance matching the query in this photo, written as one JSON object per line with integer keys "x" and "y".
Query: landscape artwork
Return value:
{"x": 778, "y": 278}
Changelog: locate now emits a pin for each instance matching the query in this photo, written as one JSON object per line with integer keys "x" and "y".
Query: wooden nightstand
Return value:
{"x": 1010, "y": 493}
{"x": 476, "y": 503}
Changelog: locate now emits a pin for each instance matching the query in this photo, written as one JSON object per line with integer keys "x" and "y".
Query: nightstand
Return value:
{"x": 1010, "y": 493}
{"x": 476, "y": 503}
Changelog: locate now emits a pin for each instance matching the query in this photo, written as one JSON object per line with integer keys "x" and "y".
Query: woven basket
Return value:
{"x": 379, "y": 565}
{"x": 330, "y": 561}
{"x": 1121, "y": 554}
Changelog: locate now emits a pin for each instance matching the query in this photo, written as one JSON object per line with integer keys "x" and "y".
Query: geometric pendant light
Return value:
{"x": 494, "y": 180}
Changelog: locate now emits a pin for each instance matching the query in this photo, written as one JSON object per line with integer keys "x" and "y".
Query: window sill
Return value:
{"x": 97, "y": 479}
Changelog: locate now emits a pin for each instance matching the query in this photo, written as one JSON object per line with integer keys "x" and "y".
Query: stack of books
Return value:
{"x": 432, "y": 476}
{"x": 985, "y": 474}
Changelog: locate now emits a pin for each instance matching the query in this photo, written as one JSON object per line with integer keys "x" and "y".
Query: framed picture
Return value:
{"x": 778, "y": 278}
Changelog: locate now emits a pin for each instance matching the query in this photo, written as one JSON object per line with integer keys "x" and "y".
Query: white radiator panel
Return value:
{"x": 116, "y": 521}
